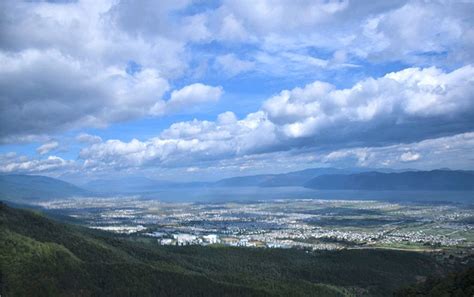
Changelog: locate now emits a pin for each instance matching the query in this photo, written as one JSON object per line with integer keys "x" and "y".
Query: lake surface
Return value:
{"x": 221, "y": 194}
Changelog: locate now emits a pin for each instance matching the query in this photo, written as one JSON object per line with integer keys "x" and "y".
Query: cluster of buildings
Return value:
{"x": 304, "y": 223}
{"x": 181, "y": 239}
{"x": 419, "y": 237}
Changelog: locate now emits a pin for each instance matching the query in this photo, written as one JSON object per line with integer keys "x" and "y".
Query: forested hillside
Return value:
{"x": 460, "y": 284}
{"x": 42, "y": 257}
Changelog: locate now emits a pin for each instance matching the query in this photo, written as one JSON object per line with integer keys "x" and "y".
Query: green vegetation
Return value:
{"x": 41, "y": 257}
{"x": 454, "y": 285}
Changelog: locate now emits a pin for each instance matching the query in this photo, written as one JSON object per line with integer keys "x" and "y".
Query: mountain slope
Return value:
{"x": 460, "y": 284}
{"x": 17, "y": 187}
{"x": 41, "y": 257}
{"x": 244, "y": 181}
{"x": 289, "y": 179}
{"x": 436, "y": 180}
{"x": 299, "y": 178}
{"x": 295, "y": 178}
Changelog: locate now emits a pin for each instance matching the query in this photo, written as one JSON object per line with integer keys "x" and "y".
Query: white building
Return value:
{"x": 185, "y": 239}
{"x": 211, "y": 238}
{"x": 166, "y": 241}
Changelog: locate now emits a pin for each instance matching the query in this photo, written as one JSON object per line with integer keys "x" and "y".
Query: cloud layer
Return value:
{"x": 344, "y": 82}
{"x": 67, "y": 66}
{"x": 400, "y": 107}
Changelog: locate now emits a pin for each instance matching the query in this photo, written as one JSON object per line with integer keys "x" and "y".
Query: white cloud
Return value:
{"x": 392, "y": 101}
{"x": 88, "y": 138}
{"x": 265, "y": 17}
{"x": 296, "y": 37}
{"x": 193, "y": 94}
{"x": 416, "y": 28}
{"x": 47, "y": 147}
{"x": 23, "y": 164}
{"x": 66, "y": 66}
{"x": 189, "y": 142}
{"x": 437, "y": 153}
{"x": 192, "y": 169}
{"x": 74, "y": 57}
{"x": 431, "y": 153}
{"x": 76, "y": 92}
{"x": 227, "y": 27}
{"x": 100, "y": 97}
{"x": 231, "y": 65}
{"x": 403, "y": 105}
{"x": 163, "y": 157}
{"x": 409, "y": 157}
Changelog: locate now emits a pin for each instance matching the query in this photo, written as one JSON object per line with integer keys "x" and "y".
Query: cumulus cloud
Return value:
{"x": 409, "y": 157}
{"x": 231, "y": 65}
{"x": 77, "y": 64}
{"x": 415, "y": 29}
{"x": 426, "y": 154}
{"x": 74, "y": 55}
{"x": 74, "y": 91}
{"x": 78, "y": 94}
{"x": 188, "y": 142}
{"x": 403, "y": 105}
{"x": 47, "y": 147}
{"x": 88, "y": 138}
{"x": 65, "y": 65}
{"x": 137, "y": 156}
{"x": 187, "y": 97}
{"x": 396, "y": 104}
{"x": 267, "y": 17}
{"x": 292, "y": 33}
{"x": 22, "y": 164}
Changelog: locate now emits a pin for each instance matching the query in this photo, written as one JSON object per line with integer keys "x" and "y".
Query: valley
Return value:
{"x": 311, "y": 224}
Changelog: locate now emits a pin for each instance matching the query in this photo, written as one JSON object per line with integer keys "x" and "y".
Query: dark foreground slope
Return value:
{"x": 460, "y": 284}
{"x": 41, "y": 257}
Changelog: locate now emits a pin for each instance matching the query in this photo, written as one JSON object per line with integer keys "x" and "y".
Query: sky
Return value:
{"x": 200, "y": 90}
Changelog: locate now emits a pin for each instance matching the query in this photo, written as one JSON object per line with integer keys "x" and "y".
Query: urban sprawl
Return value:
{"x": 305, "y": 223}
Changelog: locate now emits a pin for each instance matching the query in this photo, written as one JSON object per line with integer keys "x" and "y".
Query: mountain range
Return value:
{"x": 435, "y": 180}
{"x": 30, "y": 187}
{"x": 314, "y": 178}
{"x": 35, "y": 187}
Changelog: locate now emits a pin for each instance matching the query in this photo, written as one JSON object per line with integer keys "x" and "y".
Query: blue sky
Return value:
{"x": 206, "y": 89}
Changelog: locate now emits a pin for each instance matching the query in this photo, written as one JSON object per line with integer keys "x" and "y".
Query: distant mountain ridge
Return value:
{"x": 144, "y": 184}
{"x": 295, "y": 178}
{"x": 315, "y": 178}
{"x": 34, "y": 187}
{"x": 435, "y": 180}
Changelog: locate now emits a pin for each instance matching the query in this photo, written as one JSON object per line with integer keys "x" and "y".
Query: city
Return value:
{"x": 311, "y": 224}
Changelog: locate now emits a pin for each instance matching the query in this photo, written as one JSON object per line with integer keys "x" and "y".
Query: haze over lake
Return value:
{"x": 222, "y": 194}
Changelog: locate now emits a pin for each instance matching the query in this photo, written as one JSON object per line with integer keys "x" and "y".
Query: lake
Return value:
{"x": 221, "y": 194}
